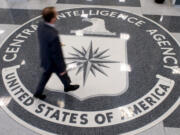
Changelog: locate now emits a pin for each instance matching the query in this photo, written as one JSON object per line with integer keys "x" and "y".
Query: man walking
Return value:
{"x": 52, "y": 59}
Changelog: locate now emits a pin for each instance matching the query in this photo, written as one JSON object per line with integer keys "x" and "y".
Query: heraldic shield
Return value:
{"x": 98, "y": 64}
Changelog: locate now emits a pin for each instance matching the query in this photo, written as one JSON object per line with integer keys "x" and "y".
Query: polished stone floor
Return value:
{"x": 125, "y": 54}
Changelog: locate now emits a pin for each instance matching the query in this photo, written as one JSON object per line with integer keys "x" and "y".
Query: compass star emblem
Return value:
{"x": 89, "y": 60}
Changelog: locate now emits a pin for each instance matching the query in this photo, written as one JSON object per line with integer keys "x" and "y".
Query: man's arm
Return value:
{"x": 57, "y": 55}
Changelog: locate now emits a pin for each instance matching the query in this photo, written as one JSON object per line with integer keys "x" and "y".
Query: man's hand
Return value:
{"x": 63, "y": 73}
{"x": 62, "y": 44}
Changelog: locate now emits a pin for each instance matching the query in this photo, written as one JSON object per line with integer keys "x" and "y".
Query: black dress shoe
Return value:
{"x": 42, "y": 97}
{"x": 71, "y": 88}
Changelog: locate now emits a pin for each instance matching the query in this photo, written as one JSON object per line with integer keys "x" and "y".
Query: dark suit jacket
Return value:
{"x": 50, "y": 49}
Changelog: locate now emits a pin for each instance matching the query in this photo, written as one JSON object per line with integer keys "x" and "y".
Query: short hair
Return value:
{"x": 48, "y": 13}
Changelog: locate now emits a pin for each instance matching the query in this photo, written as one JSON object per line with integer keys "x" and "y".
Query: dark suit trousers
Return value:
{"x": 45, "y": 77}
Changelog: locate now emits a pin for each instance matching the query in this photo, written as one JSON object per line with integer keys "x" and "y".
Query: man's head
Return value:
{"x": 49, "y": 14}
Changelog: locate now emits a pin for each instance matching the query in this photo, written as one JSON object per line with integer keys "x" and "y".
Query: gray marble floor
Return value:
{"x": 14, "y": 13}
